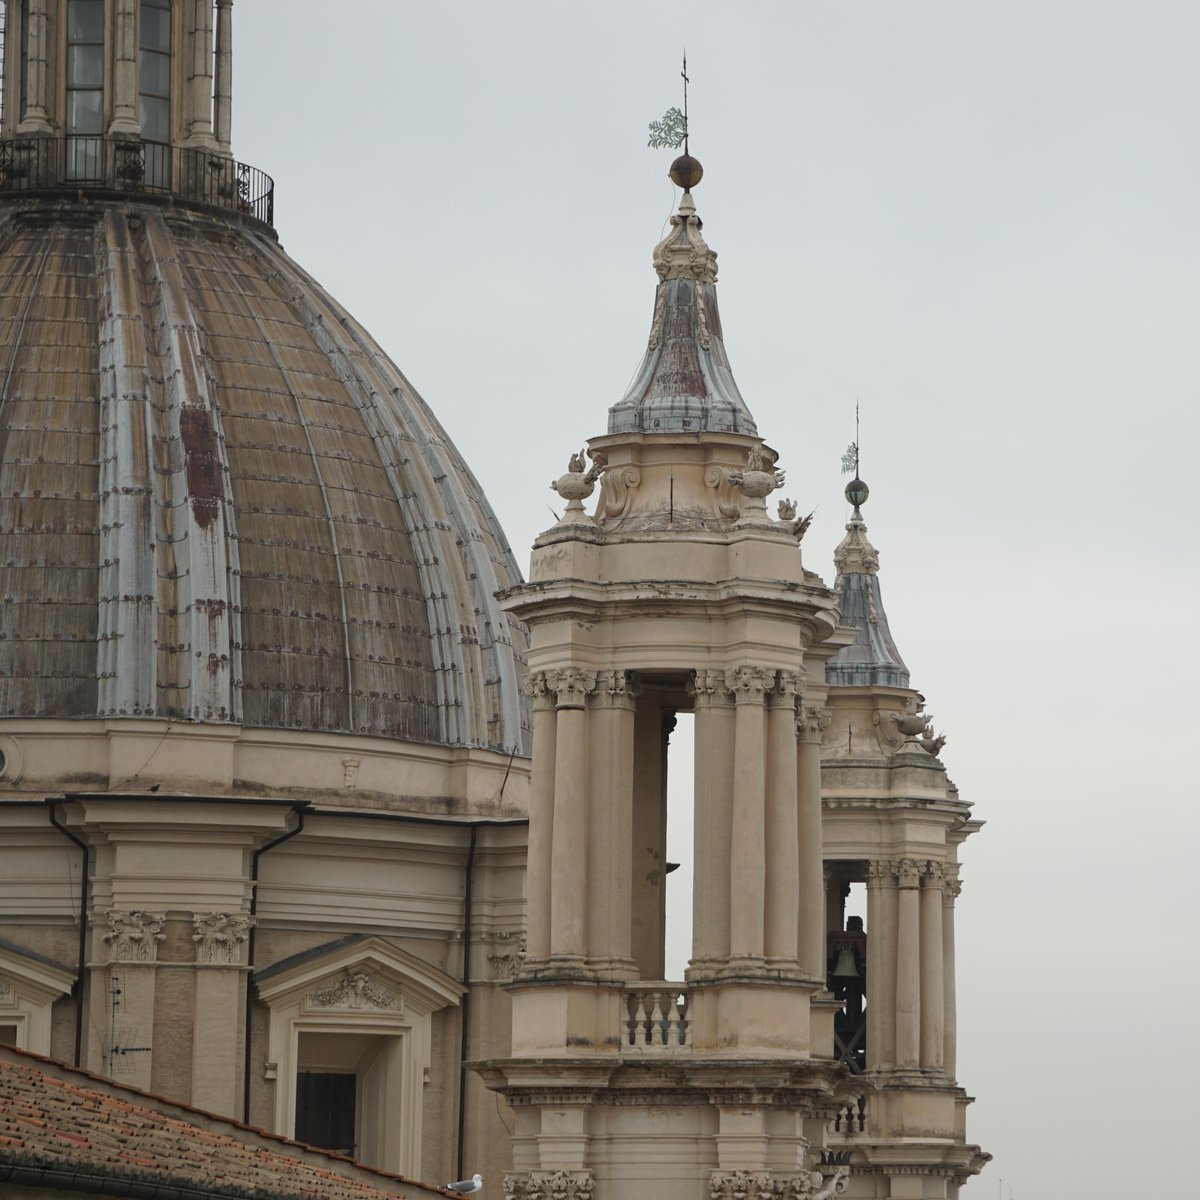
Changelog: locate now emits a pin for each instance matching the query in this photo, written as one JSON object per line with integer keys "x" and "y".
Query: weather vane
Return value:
{"x": 672, "y": 131}
{"x": 850, "y": 458}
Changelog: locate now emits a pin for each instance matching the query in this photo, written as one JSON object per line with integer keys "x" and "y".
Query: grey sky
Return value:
{"x": 981, "y": 220}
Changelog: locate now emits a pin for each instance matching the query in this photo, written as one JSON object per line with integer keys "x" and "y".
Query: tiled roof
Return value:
{"x": 74, "y": 1124}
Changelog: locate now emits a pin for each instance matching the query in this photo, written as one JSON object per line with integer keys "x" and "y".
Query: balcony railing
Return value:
{"x": 57, "y": 164}
{"x": 657, "y": 1018}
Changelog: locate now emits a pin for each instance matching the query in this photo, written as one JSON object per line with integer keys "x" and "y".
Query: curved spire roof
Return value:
{"x": 872, "y": 658}
{"x": 685, "y": 384}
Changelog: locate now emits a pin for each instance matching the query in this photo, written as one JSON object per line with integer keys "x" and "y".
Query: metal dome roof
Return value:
{"x": 219, "y": 499}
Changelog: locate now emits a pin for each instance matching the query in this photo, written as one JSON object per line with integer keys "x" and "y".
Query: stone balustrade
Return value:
{"x": 657, "y": 1018}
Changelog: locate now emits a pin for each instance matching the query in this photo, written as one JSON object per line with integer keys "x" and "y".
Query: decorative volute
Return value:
{"x": 684, "y": 384}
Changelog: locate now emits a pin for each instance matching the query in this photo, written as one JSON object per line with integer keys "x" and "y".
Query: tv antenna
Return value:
{"x": 119, "y": 1035}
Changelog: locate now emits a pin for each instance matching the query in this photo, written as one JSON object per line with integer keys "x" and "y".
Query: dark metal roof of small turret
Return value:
{"x": 684, "y": 384}
{"x": 872, "y": 658}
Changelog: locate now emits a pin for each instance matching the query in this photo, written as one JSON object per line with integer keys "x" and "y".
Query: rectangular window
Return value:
{"x": 8, "y": 1035}
{"x": 325, "y": 1116}
{"x": 154, "y": 100}
{"x": 85, "y": 89}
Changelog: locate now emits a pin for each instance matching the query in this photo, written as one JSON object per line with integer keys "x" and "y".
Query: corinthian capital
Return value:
{"x": 749, "y": 684}
{"x": 572, "y": 686}
{"x": 708, "y": 688}
{"x": 785, "y": 692}
{"x": 537, "y": 688}
{"x": 908, "y": 873}
{"x": 616, "y": 689}
{"x": 811, "y": 721}
{"x": 134, "y": 936}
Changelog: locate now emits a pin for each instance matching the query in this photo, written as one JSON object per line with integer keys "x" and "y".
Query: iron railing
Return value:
{"x": 56, "y": 164}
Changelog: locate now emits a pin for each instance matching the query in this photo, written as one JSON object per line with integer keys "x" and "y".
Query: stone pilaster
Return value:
{"x": 197, "y": 121}
{"x": 219, "y": 939}
{"x": 224, "y": 83}
{"x": 125, "y": 84}
{"x": 37, "y": 70}
{"x": 714, "y": 740}
{"x": 133, "y": 939}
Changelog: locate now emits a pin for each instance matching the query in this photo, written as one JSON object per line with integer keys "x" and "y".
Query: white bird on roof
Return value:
{"x": 467, "y": 1187}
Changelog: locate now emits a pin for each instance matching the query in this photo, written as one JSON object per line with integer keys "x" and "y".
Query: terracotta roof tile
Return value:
{"x": 52, "y": 1116}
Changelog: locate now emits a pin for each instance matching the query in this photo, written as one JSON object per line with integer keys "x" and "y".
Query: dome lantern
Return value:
{"x": 124, "y": 96}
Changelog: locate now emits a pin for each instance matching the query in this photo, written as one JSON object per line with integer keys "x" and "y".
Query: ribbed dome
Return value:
{"x": 220, "y": 501}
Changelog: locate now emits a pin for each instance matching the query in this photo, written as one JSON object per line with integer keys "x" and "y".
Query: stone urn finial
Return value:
{"x": 756, "y": 482}
{"x": 578, "y": 484}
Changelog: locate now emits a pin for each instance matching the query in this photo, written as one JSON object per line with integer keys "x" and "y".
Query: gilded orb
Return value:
{"x": 686, "y": 172}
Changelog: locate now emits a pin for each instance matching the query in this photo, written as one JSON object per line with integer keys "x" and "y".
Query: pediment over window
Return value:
{"x": 29, "y": 986}
{"x": 364, "y": 975}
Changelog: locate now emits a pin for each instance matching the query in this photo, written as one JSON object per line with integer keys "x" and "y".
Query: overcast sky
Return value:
{"x": 981, "y": 221}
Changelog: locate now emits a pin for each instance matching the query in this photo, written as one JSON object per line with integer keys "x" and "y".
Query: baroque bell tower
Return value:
{"x": 894, "y": 822}
{"x": 679, "y": 592}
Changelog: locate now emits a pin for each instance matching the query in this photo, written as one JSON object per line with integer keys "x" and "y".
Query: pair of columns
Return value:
{"x": 757, "y": 896}
{"x": 207, "y": 104}
{"x": 910, "y": 965}
{"x": 757, "y": 899}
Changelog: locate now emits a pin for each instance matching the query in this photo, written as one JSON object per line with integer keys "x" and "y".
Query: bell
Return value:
{"x": 845, "y": 967}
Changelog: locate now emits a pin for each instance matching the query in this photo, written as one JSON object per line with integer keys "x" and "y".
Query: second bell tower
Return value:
{"x": 679, "y": 592}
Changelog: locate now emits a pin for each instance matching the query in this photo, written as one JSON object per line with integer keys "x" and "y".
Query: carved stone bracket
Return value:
{"x": 616, "y": 492}
{"x": 219, "y": 936}
{"x": 134, "y": 936}
{"x": 549, "y": 1185}
{"x": 728, "y": 499}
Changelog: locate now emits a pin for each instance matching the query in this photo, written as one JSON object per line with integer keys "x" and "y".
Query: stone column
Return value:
{"x": 950, "y": 893}
{"x": 610, "y": 822}
{"x": 933, "y": 997}
{"x": 747, "y": 845}
{"x": 541, "y": 819}
{"x": 879, "y": 878}
{"x": 197, "y": 121}
{"x": 37, "y": 71}
{"x": 224, "y": 88}
{"x": 220, "y": 990}
{"x": 713, "y": 828}
{"x": 568, "y": 867}
{"x": 811, "y": 947}
{"x": 782, "y": 864}
{"x": 908, "y": 965}
{"x": 125, "y": 86}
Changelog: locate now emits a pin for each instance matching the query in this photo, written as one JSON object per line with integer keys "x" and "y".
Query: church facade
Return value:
{"x": 315, "y": 814}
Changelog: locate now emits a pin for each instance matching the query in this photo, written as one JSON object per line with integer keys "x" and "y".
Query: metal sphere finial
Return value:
{"x": 857, "y": 492}
{"x": 686, "y": 172}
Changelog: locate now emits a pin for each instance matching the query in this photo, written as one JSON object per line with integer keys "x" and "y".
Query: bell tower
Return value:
{"x": 893, "y": 825}
{"x": 678, "y": 592}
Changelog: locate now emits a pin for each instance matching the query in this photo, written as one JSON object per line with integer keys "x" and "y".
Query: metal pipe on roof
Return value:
{"x": 468, "y": 896}
{"x": 81, "y": 968}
